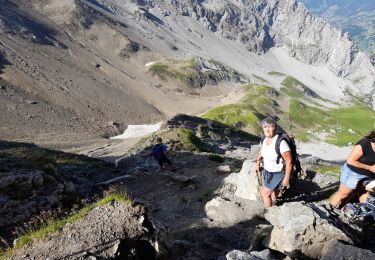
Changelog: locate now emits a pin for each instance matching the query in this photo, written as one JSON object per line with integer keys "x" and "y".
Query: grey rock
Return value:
{"x": 240, "y": 255}
{"x": 299, "y": 231}
{"x": 37, "y": 179}
{"x": 31, "y": 102}
{"x": 336, "y": 250}
{"x": 223, "y": 169}
{"x": 246, "y": 182}
{"x": 238, "y": 199}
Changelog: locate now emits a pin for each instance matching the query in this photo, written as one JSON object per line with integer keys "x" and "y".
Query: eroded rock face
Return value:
{"x": 299, "y": 231}
{"x": 115, "y": 230}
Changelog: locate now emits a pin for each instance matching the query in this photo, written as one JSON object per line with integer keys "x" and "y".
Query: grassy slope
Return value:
{"x": 245, "y": 113}
{"x": 302, "y": 116}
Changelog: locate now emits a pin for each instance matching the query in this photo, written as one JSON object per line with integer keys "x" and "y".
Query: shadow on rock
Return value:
{"x": 15, "y": 21}
{"x": 34, "y": 180}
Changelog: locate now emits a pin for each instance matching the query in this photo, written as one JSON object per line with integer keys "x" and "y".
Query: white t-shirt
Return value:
{"x": 269, "y": 154}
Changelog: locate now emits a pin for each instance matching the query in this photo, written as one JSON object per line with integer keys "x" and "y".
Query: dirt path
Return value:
{"x": 177, "y": 200}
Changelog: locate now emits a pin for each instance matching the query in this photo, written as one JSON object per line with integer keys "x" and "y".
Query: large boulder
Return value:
{"x": 238, "y": 199}
{"x": 246, "y": 182}
{"x": 299, "y": 231}
{"x": 115, "y": 230}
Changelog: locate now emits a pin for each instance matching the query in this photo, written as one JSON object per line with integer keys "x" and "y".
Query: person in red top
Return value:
{"x": 359, "y": 166}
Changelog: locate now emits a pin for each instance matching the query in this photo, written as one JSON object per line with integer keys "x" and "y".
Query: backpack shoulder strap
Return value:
{"x": 277, "y": 147}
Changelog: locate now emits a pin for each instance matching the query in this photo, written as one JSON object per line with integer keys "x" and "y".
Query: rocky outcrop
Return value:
{"x": 115, "y": 230}
{"x": 246, "y": 182}
{"x": 238, "y": 199}
{"x": 299, "y": 231}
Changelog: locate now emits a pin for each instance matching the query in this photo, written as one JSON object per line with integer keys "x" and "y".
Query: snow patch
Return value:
{"x": 134, "y": 131}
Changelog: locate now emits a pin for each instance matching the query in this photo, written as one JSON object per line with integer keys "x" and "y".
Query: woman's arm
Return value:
{"x": 287, "y": 156}
{"x": 354, "y": 157}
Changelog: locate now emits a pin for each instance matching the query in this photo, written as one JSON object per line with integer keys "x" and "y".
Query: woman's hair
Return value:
{"x": 371, "y": 136}
{"x": 268, "y": 121}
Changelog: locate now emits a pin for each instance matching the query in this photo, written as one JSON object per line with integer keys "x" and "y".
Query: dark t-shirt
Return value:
{"x": 368, "y": 158}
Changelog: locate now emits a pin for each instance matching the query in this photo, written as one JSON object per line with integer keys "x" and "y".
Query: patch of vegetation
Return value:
{"x": 237, "y": 115}
{"x": 344, "y": 125}
{"x": 55, "y": 225}
{"x": 306, "y": 116}
{"x": 327, "y": 169}
{"x": 216, "y": 158}
{"x": 183, "y": 139}
{"x": 350, "y": 124}
{"x": 188, "y": 73}
{"x": 277, "y": 74}
{"x": 296, "y": 89}
{"x": 159, "y": 69}
{"x": 303, "y": 117}
{"x": 247, "y": 112}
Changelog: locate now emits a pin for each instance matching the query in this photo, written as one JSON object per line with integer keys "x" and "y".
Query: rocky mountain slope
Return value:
{"x": 256, "y": 25}
{"x": 354, "y": 17}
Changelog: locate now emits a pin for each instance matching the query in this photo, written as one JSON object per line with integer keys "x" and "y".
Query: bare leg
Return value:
{"x": 342, "y": 194}
{"x": 364, "y": 197}
{"x": 266, "y": 195}
{"x": 274, "y": 196}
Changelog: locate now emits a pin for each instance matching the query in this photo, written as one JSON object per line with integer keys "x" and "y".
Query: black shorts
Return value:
{"x": 163, "y": 160}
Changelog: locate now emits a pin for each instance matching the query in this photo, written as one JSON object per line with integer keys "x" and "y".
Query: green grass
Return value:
{"x": 182, "y": 71}
{"x": 296, "y": 89}
{"x": 277, "y": 74}
{"x": 247, "y": 112}
{"x": 159, "y": 69}
{"x": 233, "y": 115}
{"x": 55, "y": 225}
{"x": 188, "y": 73}
{"x": 327, "y": 169}
{"x": 359, "y": 118}
{"x": 183, "y": 139}
{"x": 306, "y": 116}
{"x": 290, "y": 87}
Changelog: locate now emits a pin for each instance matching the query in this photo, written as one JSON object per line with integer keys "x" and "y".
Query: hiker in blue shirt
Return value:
{"x": 160, "y": 153}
